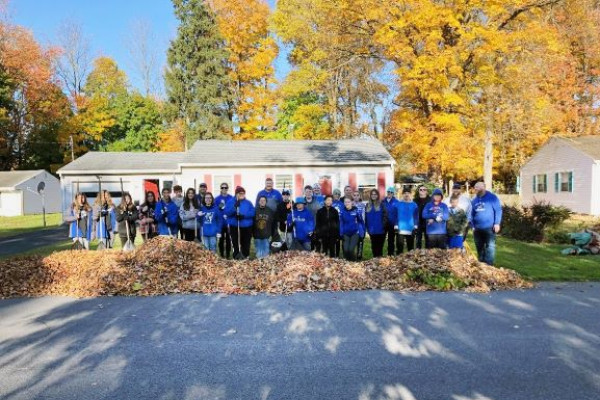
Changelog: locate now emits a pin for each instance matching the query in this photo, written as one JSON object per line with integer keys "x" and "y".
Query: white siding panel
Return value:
{"x": 556, "y": 156}
{"x": 11, "y": 204}
{"x": 596, "y": 189}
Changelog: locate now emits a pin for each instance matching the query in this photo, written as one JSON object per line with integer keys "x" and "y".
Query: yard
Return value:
{"x": 10, "y": 226}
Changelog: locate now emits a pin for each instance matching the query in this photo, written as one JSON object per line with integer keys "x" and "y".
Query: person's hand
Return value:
{"x": 104, "y": 212}
{"x": 438, "y": 218}
{"x": 200, "y": 213}
{"x": 396, "y": 228}
{"x": 429, "y": 221}
{"x": 218, "y": 236}
{"x": 310, "y": 234}
{"x": 163, "y": 211}
{"x": 145, "y": 209}
{"x": 496, "y": 228}
{"x": 416, "y": 227}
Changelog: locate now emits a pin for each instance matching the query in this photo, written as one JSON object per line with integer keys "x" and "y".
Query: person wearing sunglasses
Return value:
{"x": 390, "y": 203}
{"x": 421, "y": 198}
{"x": 225, "y": 240}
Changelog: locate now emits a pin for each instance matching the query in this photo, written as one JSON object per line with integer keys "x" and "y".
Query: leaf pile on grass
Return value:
{"x": 164, "y": 266}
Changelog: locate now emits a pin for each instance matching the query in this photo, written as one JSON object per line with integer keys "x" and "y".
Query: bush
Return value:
{"x": 529, "y": 224}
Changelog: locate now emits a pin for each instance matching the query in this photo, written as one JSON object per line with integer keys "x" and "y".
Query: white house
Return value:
{"x": 360, "y": 163}
{"x": 565, "y": 171}
{"x": 24, "y": 192}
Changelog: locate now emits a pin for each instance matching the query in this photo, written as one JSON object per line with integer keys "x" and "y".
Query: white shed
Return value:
{"x": 566, "y": 172}
{"x": 360, "y": 163}
{"x": 21, "y": 193}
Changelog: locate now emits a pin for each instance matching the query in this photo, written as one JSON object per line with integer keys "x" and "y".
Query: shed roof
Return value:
{"x": 10, "y": 179}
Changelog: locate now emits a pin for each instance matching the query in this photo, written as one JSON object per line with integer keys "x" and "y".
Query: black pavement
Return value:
{"x": 13, "y": 245}
{"x": 534, "y": 344}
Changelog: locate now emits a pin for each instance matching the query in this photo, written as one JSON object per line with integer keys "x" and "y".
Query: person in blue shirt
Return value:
{"x": 81, "y": 221}
{"x": 225, "y": 240}
{"x": 407, "y": 222}
{"x": 318, "y": 195}
{"x": 240, "y": 218}
{"x": 360, "y": 206}
{"x": 338, "y": 204}
{"x": 105, "y": 219}
{"x": 165, "y": 214}
{"x": 302, "y": 223}
{"x": 272, "y": 195}
{"x": 376, "y": 218}
{"x": 210, "y": 220}
{"x": 486, "y": 217}
{"x": 436, "y": 214}
{"x": 352, "y": 228}
{"x": 390, "y": 203}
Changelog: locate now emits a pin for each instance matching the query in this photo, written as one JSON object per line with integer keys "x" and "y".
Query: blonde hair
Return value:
{"x": 76, "y": 206}
{"x": 107, "y": 197}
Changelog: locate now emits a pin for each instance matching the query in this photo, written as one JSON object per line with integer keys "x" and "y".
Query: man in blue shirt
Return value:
{"x": 486, "y": 216}
{"x": 271, "y": 194}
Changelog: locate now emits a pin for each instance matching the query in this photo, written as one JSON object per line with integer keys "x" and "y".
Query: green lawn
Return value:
{"x": 10, "y": 226}
{"x": 538, "y": 262}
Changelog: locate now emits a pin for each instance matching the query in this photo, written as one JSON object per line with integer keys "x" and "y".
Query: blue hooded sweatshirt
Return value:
{"x": 221, "y": 201}
{"x": 392, "y": 211}
{"x": 375, "y": 220}
{"x": 246, "y": 211}
{"x": 486, "y": 211}
{"x": 433, "y": 211}
{"x": 86, "y": 222}
{"x": 338, "y": 205}
{"x": 274, "y": 197}
{"x": 304, "y": 223}
{"x": 408, "y": 216}
{"x": 166, "y": 215}
{"x": 351, "y": 222}
{"x": 211, "y": 222}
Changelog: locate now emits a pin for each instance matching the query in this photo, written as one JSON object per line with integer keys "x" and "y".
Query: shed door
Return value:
{"x": 151, "y": 185}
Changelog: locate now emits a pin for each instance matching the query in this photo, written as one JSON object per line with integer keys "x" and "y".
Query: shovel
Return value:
{"x": 239, "y": 255}
{"x": 129, "y": 246}
{"x": 77, "y": 245}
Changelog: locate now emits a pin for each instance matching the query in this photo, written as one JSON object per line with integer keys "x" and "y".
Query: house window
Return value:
{"x": 282, "y": 181}
{"x": 540, "y": 183}
{"x": 563, "y": 182}
{"x": 366, "y": 182}
{"x": 219, "y": 179}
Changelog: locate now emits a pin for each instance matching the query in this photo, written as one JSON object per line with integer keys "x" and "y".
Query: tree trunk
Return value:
{"x": 488, "y": 154}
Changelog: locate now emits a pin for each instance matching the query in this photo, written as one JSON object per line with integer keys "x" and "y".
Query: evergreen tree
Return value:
{"x": 196, "y": 77}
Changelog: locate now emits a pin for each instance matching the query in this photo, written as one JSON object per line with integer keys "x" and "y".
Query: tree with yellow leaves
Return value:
{"x": 252, "y": 50}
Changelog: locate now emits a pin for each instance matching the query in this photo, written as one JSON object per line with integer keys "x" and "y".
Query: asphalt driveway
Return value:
{"x": 536, "y": 344}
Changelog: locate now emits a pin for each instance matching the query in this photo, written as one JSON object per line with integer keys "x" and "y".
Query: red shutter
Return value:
{"x": 237, "y": 180}
{"x": 381, "y": 184}
{"x": 352, "y": 180}
{"x": 298, "y": 185}
{"x": 208, "y": 181}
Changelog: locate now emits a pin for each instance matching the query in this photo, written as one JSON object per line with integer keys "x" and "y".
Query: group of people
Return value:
{"x": 334, "y": 224}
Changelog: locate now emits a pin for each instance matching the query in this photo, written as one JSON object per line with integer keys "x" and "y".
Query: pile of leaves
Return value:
{"x": 163, "y": 266}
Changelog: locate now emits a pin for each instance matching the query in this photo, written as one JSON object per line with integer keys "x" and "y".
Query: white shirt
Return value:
{"x": 464, "y": 203}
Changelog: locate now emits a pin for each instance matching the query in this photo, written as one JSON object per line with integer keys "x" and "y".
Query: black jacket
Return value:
{"x": 131, "y": 216}
{"x": 421, "y": 204}
{"x": 282, "y": 213}
{"x": 327, "y": 223}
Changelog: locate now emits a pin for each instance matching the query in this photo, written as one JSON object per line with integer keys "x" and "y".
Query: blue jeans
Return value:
{"x": 485, "y": 242}
{"x": 262, "y": 247}
{"x": 210, "y": 243}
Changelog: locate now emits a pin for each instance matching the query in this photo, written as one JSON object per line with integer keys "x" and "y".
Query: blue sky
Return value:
{"x": 106, "y": 23}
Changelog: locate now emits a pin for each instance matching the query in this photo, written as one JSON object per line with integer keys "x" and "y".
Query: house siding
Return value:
{"x": 555, "y": 157}
{"x": 251, "y": 178}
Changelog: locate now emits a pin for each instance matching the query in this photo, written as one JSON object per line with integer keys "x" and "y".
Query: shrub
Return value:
{"x": 530, "y": 223}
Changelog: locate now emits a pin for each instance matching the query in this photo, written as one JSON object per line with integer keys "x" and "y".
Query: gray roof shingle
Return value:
{"x": 10, "y": 179}
{"x": 239, "y": 153}
{"x": 589, "y": 145}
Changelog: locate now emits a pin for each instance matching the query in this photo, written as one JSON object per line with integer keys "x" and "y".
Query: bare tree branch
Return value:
{"x": 75, "y": 62}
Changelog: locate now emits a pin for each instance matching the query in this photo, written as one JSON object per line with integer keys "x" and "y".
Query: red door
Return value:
{"x": 151, "y": 185}
{"x": 326, "y": 184}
